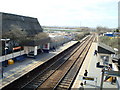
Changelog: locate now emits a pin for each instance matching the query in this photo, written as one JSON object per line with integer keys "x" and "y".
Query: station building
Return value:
{"x": 20, "y": 33}
{"x": 26, "y": 37}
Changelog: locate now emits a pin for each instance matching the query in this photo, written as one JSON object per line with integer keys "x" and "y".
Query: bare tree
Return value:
{"x": 101, "y": 29}
{"x": 41, "y": 35}
{"x": 16, "y": 36}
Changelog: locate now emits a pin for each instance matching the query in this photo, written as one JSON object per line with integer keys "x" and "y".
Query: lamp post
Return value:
{"x": 5, "y": 45}
{"x": 5, "y": 40}
{"x": 101, "y": 85}
{"x": 103, "y": 71}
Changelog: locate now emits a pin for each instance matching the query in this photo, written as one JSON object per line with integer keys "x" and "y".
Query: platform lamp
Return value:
{"x": 5, "y": 40}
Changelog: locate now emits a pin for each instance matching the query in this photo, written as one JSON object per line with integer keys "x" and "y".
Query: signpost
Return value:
{"x": 110, "y": 73}
{"x": 91, "y": 79}
{"x": 101, "y": 85}
{"x": 88, "y": 78}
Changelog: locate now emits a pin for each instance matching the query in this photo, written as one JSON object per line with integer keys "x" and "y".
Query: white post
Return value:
{"x": 35, "y": 50}
{"x": 96, "y": 83}
{"x": 5, "y": 49}
{"x": 20, "y": 50}
{"x": 12, "y": 53}
{"x": 26, "y": 49}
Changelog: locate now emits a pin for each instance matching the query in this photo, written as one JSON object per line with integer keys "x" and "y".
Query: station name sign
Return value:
{"x": 88, "y": 78}
{"x": 112, "y": 73}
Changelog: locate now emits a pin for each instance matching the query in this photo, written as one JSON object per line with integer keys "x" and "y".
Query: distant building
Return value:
{"x": 110, "y": 34}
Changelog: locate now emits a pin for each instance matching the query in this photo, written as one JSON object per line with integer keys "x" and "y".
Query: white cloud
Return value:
{"x": 64, "y": 12}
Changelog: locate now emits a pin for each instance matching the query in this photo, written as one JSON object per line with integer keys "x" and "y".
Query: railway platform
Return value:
{"x": 15, "y": 71}
{"x": 93, "y": 72}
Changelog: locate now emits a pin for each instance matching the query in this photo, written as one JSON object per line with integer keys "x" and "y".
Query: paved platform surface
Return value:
{"x": 18, "y": 69}
{"x": 90, "y": 65}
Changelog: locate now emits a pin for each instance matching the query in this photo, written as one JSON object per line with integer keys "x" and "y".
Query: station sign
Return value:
{"x": 112, "y": 73}
{"x": 88, "y": 78}
{"x": 91, "y": 79}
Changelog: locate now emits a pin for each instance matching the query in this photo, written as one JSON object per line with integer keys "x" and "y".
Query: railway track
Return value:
{"x": 46, "y": 74}
{"x": 57, "y": 73}
{"x": 67, "y": 80}
{"x": 63, "y": 77}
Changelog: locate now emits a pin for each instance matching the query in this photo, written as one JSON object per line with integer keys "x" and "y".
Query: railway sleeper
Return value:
{"x": 34, "y": 86}
{"x": 36, "y": 83}
{"x": 59, "y": 88}
{"x": 65, "y": 82}
{"x": 43, "y": 78}
{"x": 66, "y": 78}
{"x": 39, "y": 78}
{"x": 63, "y": 86}
{"x": 40, "y": 81}
{"x": 31, "y": 87}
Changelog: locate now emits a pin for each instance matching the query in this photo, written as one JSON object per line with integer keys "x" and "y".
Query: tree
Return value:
{"x": 16, "y": 36}
{"x": 21, "y": 37}
{"x": 41, "y": 35}
{"x": 101, "y": 29}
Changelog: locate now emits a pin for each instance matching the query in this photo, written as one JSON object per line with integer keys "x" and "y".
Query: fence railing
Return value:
{"x": 12, "y": 55}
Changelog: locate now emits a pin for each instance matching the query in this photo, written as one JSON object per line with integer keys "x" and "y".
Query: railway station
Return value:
{"x": 94, "y": 65}
{"x": 34, "y": 59}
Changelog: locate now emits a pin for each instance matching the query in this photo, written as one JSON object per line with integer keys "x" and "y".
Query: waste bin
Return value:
{"x": 98, "y": 64}
{"x": 10, "y": 61}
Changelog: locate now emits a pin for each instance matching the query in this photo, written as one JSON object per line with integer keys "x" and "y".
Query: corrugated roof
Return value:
{"x": 103, "y": 48}
{"x": 29, "y": 25}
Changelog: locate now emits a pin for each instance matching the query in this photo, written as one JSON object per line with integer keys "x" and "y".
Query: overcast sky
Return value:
{"x": 90, "y": 13}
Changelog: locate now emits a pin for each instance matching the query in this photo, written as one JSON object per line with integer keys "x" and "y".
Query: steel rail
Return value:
{"x": 19, "y": 84}
{"x": 67, "y": 80}
{"x": 41, "y": 78}
{"x": 68, "y": 66}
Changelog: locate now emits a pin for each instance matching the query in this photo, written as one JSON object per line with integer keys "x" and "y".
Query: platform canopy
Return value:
{"x": 23, "y": 29}
{"x": 103, "y": 48}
